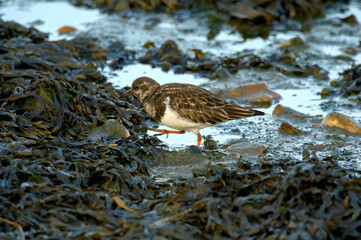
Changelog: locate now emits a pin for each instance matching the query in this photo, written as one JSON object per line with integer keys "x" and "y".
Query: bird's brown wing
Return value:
{"x": 199, "y": 105}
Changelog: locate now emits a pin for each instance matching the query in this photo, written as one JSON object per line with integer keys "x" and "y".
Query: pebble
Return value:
{"x": 247, "y": 150}
{"x": 253, "y": 93}
{"x": 335, "y": 119}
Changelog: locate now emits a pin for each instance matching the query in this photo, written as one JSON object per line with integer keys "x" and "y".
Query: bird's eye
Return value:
{"x": 136, "y": 87}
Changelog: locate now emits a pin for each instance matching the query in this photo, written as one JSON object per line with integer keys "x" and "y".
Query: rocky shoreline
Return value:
{"x": 75, "y": 159}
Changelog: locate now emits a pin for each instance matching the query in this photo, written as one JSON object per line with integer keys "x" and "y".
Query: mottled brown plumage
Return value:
{"x": 186, "y": 107}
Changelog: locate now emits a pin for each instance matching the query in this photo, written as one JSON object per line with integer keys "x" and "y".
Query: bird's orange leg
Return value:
{"x": 199, "y": 139}
{"x": 163, "y": 131}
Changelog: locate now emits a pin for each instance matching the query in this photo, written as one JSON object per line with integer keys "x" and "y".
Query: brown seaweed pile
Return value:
{"x": 348, "y": 86}
{"x": 351, "y": 82}
{"x": 63, "y": 175}
{"x": 169, "y": 56}
{"x": 251, "y": 18}
{"x": 308, "y": 201}
{"x": 50, "y": 100}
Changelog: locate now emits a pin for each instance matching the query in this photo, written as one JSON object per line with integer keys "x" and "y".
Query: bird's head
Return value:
{"x": 142, "y": 87}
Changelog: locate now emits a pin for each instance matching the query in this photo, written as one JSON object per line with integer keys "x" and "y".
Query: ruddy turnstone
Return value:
{"x": 185, "y": 107}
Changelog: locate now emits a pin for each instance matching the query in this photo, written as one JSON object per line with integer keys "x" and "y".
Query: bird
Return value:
{"x": 184, "y": 107}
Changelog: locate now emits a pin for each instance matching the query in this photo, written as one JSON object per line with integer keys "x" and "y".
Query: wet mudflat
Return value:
{"x": 77, "y": 160}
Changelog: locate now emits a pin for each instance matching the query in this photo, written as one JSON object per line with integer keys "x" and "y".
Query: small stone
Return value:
{"x": 180, "y": 163}
{"x": 112, "y": 128}
{"x": 292, "y": 225}
{"x": 66, "y": 29}
{"x": 313, "y": 156}
{"x": 33, "y": 103}
{"x": 148, "y": 45}
{"x": 295, "y": 42}
{"x": 289, "y": 129}
{"x": 305, "y": 154}
{"x": 247, "y": 150}
{"x": 287, "y": 111}
{"x": 351, "y": 19}
{"x": 253, "y": 93}
{"x": 37, "y": 152}
{"x": 193, "y": 149}
{"x": 335, "y": 119}
{"x": 26, "y": 152}
{"x": 326, "y": 92}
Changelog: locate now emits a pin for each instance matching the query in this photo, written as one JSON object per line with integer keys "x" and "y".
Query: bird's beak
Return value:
{"x": 127, "y": 93}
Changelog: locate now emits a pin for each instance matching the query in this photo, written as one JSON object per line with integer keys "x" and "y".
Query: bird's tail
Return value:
{"x": 257, "y": 113}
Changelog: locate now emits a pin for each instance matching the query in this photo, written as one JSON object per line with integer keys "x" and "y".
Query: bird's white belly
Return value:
{"x": 172, "y": 119}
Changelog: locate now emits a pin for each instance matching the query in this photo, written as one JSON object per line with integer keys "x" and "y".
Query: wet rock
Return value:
{"x": 351, "y": 19}
{"x": 180, "y": 163}
{"x": 246, "y": 150}
{"x": 39, "y": 101}
{"x": 111, "y": 129}
{"x": 193, "y": 149}
{"x": 66, "y": 29}
{"x": 294, "y": 43}
{"x": 281, "y": 110}
{"x": 253, "y": 93}
{"x": 287, "y": 128}
{"x": 335, "y": 119}
{"x": 174, "y": 158}
{"x": 148, "y": 45}
{"x": 327, "y": 92}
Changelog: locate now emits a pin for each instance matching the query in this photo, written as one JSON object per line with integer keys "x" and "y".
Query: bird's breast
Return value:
{"x": 155, "y": 108}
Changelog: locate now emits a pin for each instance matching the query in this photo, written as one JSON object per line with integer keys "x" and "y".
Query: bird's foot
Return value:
{"x": 199, "y": 139}
{"x": 164, "y": 131}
